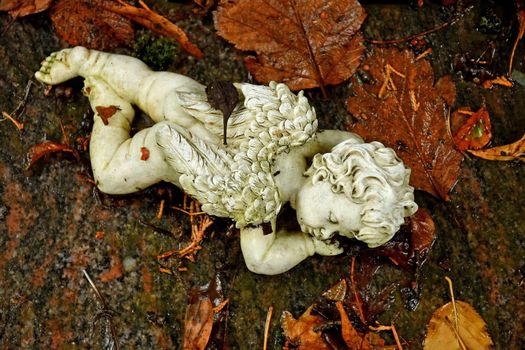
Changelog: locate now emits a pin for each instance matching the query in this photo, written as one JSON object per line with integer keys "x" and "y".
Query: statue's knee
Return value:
{"x": 78, "y": 55}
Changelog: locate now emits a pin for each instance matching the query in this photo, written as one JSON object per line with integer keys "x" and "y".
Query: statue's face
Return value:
{"x": 323, "y": 213}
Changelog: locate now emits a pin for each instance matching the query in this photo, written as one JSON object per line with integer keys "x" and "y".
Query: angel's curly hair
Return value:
{"x": 368, "y": 173}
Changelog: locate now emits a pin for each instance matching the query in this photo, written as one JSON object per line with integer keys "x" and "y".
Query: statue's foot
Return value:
{"x": 62, "y": 65}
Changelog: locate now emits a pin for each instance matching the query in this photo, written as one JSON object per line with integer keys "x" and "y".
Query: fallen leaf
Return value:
{"x": 47, "y": 147}
{"x": 471, "y": 329}
{"x": 198, "y": 323}
{"x": 400, "y": 107}
{"x": 106, "y": 112}
{"x": 352, "y": 338}
{"x": 223, "y": 96}
{"x": 300, "y": 333}
{"x": 475, "y": 133}
{"x": 144, "y": 153}
{"x": 513, "y": 151}
{"x": 303, "y": 43}
{"x": 423, "y": 234}
{"x": 154, "y": 22}
{"x": 206, "y": 315}
{"x": 21, "y": 8}
{"x": 87, "y": 23}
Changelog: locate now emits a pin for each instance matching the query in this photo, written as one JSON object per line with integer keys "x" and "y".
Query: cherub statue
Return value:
{"x": 354, "y": 189}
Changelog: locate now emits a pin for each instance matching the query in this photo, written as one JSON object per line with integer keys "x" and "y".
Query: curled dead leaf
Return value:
{"x": 401, "y": 107}
{"x": 21, "y": 8}
{"x": 303, "y": 43}
{"x": 154, "y": 22}
{"x": 468, "y": 333}
{"x": 513, "y": 151}
{"x": 48, "y": 147}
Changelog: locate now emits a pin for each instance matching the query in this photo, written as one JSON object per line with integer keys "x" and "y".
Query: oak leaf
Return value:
{"x": 469, "y": 332}
{"x": 300, "y": 333}
{"x": 87, "y": 23}
{"x": 513, "y": 151}
{"x": 303, "y": 43}
{"x": 21, "y": 8}
{"x": 400, "y": 106}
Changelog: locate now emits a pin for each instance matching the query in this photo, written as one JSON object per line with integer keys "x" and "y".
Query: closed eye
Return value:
{"x": 332, "y": 218}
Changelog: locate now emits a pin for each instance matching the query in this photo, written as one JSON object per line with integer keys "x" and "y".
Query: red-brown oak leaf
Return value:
{"x": 88, "y": 23}
{"x": 21, "y": 8}
{"x": 300, "y": 333}
{"x": 400, "y": 106}
{"x": 303, "y": 43}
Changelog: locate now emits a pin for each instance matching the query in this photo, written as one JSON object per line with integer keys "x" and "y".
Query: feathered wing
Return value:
{"x": 203, "y": 169}
{"x": 267, "y": 121}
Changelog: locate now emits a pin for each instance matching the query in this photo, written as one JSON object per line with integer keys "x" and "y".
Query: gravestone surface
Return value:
{"x": 50, "y": 214}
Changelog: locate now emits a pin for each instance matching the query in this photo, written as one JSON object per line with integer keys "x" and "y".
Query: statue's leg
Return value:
{"x": 123, "y": 74}
{"x": 121, "y": 164}
{"x": 62, "y": 65}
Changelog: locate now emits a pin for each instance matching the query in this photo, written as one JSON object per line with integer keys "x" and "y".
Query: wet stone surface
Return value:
{"x": 50, "y": 214}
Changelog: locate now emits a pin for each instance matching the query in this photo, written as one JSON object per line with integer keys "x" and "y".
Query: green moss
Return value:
{"x": 156, "y": 52}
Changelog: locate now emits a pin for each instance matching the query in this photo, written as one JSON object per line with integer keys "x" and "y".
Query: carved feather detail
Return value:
{"x": 237, "y": 181}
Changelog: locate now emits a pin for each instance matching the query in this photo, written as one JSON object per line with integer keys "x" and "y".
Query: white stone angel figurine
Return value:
{"x": 354, "y": 189}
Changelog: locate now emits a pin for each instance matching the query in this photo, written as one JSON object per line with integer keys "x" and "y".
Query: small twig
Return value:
{"x": 22, "y": 104}
{"x": 451, "y": 289}
{"x": 221, "y": 306}
{"x": 161, "y": 210}
{"x": 356, "y": 295}
{"x": 390, "y": 328}
{"x": 267, "y": 326}
{"x": 423, "y": 33}
{"x": 19, "y": 126}
{"x": 106, "y": 312}
{"x": 410, "y": 37}
{"x": 187, "y": 212}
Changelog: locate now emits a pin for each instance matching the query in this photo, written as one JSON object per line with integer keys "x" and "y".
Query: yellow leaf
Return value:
{"x": 469, "y": 333}
{"x": 512, "y": 151}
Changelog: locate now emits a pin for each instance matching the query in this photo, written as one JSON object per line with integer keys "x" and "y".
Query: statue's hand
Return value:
{"x": 326, "y": 247}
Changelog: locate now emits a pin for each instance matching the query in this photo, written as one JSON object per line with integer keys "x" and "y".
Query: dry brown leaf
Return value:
{"x": 400, "y": 107}
{"x": 442, "y": 332}
{"x": 303, "y": 43}
{"x": 423, "y": 232}
{"x": 513, "y": 151}
{"x": 87, "y": 23}
{"x": 352, "y": 338}
{"x": 154, "y": 22}
{"x": 198, "y": 324}
{"x": 300, "y": 333}
{"x": 47, "y": 147}
{"x": 21, "y": 8}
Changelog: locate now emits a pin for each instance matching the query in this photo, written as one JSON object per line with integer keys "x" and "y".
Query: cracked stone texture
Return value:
{"x": 50, "y": 214}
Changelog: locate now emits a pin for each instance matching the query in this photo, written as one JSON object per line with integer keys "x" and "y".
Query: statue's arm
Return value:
{"x": 275, "y": 253}
{"x": 121, "y": 164}
{"x": 325, "y": 140}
